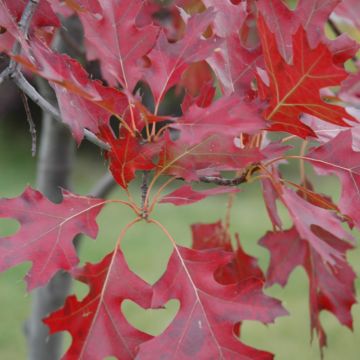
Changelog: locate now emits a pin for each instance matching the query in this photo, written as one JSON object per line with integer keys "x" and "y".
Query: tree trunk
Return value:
{"x": 54, "y": 168}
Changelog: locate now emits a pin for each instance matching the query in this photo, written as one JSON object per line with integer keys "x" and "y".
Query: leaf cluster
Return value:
{"x": 241, "y": 71}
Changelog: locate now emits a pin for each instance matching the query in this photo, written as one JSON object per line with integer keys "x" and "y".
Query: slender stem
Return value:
{"x": 144, "y": 191}
{"x": 28, "y": 13}
{"x": 288, "y": 138}
{"x": 31, "y": 92}
{"x": 283, "y": 158}
{"x": 127, "y": 203}
{"x": 164, "y": 230}
{"x": 125, "y": 229}
{"x": 269, "y": 175}
{"x": 158, "y": 193}
{"x": 152, "y": 182}
{"x": 229, "y": 206}
{"x": 24, "y": 25}
{"x": 160, "y": 132}
{"x": 32, "y": 128}
{"x": 5, "y": 74}
{"x": 124, "y": 124}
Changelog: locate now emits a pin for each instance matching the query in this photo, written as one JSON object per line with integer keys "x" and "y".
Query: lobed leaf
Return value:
{"x": 294, "y": 89}
{"x": 204, "y": 325}
{"x": 47, "y": 232}
{"x": 331, "y": 286}
{"x": 96, "y": 323}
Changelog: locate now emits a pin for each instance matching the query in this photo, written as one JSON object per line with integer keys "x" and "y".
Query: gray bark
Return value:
{"x": 54, "y": 168}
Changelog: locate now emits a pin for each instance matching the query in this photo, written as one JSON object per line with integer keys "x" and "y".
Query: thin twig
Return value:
{"x": 5, "y": 74}
{"x": 32, "y": 93}
{"x": 334, "y": 27}
{"x": 223, "y": 181}
{"x": 24, "y": 25}
{"x": 243, "y": 178}
{"x": 30, "y": 121}
{"x": 144, "y": 190}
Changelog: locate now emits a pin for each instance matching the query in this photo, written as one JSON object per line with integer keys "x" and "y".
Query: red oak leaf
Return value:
{"x": 210, "y": 236}
{"x": 241, "y": 267}
{"x": 44, "y": 21}
{"x": 282, "y": 22}
{"x": 127, "y": 155}
{"x": 207, "y": 158}
{"x": 235, "y": 65}
{"x": 331, "y": 286}
{"x": 228, "y": 116}
{"x": 293, "y": 89}
{"x": 337, "y": 157}
{"x": 185, "y": 195}
{"x": 47, "y": 232}
{"x": 204, "y": 325}
{"x": 83, "y": 103}
{"x": 112, "y": 36}
{"x": 229, "y": 17}
{"x": 197, "y": 81}
{"x": 96, "y": 323}
{"x": 311, "y": 14}
{"x": 203, "y": 99}
{"x": 306, "y": 217}
{"x": 169, "y": 60}
{"x": 350, "y": 90}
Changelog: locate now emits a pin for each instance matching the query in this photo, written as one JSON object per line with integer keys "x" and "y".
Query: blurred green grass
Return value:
{"x": 147, "y": 251}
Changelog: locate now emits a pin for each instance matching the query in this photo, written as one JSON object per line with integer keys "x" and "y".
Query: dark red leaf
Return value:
{"x": 227, "y": 116}
{"x": 128, "y": 155}
{"x": 47, "y": 232}
{"x": 84, "y": 103}
{"x": 169, "y": 60}
{"x": 306, "y": 217}
{"x": 185, "y": 195}
{"x": 97, "y": 325}
{"x": 112, "y": 36}
{"x": 43, "y": 22}
{"x": 337, "y": 157}
{"x": 331, "y": 286}
{"x": 207, "y": 158}
{"x": 204, "y": 325}
{"x": 241, "y": 267}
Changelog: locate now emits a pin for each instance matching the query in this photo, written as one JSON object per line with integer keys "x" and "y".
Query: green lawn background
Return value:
{"x": 147, "y": 252}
